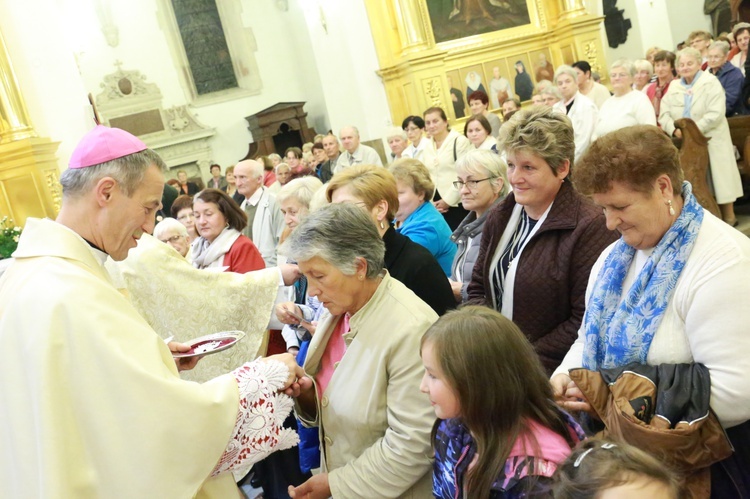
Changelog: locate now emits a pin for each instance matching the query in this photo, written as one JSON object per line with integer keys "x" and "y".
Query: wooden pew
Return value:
{"x": 694, "y": 161}
{"x": 739, "y": 129}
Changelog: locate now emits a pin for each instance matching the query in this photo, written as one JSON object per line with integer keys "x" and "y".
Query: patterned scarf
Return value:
{"x": 620, "y": 332}
{"x": 689, "y": 93}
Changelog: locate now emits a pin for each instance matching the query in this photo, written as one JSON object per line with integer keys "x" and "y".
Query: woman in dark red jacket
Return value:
{"x": 539, "y": 244}
{"x": 221, "y": 246}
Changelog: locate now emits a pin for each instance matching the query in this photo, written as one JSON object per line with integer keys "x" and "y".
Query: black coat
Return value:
{"x": 418, "y": 270}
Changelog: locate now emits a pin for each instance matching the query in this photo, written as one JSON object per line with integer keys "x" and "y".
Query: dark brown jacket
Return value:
{"x": 552, "y": 275}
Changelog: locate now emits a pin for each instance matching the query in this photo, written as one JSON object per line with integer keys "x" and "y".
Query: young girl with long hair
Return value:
{"x": 499, "y": 433}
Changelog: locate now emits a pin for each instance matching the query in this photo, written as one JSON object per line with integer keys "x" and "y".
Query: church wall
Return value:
{"x": 46, "y": 72}
{"x": 55, "y": 88}
{"x": 686, "y": 16}
{"x": 345, "y": 55}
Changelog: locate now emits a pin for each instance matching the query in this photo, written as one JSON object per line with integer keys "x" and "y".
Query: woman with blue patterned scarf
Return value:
{"x": 673, "y": 289}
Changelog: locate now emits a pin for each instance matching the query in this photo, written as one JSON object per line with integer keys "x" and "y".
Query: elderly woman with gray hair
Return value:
{"x": 363, "y": 363}
{"x": 481, "y": 179}
{"x": 627, "y": 107}
{"x": 171, "y": 232}
{"x": 698, "y": 95}
{"x": 581, "y": 110}
{"x": 397, "y": 141}
{"x": 730, "y": 76}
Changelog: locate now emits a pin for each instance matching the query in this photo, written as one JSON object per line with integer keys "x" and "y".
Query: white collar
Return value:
{"x": 254, "y": 199}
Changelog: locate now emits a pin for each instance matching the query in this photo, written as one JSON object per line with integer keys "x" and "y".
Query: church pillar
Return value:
{"x": 411, "y": 25}
{"x": 15, "y": 123}
{"x": 29, "y": 178}
{"x": 572, "y": 8}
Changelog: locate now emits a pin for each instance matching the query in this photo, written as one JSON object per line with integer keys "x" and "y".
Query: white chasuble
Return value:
{"x": 91, "y": 403}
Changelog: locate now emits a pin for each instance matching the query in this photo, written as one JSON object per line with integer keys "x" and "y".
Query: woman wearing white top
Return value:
{"x": 581, "y": 110}
{"x": 420, "y": 146}
{"x": 478, "y": 130}
{"x": 626, "y": 107}
{"x": 742, "y": 38}
{"x": 449, "y": 145}
{"x": 698, "y": 95}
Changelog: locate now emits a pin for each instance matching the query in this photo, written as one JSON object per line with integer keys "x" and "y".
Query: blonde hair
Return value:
{"x": 415, "y": 174}
{"x": 370, "y": 183}
{"x": 483, "y": 162}
{"x": 302, "y": 189}
{"x": 540, "y": 131}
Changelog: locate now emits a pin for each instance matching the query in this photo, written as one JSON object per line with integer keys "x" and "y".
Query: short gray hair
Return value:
{"x": 483, "y": 162}
{"x": 395, "y": 132}
{"x": 553, "y": 91}
{"x": 301, "y": 189}
{"x": 721, "y": 45}
{"x": 644, "y": 65}
{"x": 168, "y": 224}
{"x": 624, "y": 63}
{"x": 257, "y": 168}
{"x": 127, "y": 171}
{"x": 338, "y": 233}
{"x": 567, "y": 70}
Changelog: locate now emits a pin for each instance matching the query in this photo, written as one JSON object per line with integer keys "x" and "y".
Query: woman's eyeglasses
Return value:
{"x": 471, "y": 184}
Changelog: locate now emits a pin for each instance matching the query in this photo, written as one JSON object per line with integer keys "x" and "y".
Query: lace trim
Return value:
{"x": 258, "y": 431}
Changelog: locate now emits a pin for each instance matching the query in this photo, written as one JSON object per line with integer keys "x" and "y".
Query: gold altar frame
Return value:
{"x": 414, "y": 67}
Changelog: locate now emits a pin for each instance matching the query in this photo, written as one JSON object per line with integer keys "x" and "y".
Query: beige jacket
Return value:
{"x": 374, "y": 423}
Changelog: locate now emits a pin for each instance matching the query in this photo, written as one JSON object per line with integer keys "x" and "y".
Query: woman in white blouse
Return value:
{"x": 742, "y": 38}
{"x": 420, "y": 146}
{"x": 626, "y": 107}
{"x": 448, "y": 145}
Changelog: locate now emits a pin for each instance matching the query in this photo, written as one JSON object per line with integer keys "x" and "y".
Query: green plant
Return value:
{"x": 9, "y": 235}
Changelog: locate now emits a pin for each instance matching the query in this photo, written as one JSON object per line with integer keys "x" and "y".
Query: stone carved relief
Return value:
{"x": 131, "y": 102}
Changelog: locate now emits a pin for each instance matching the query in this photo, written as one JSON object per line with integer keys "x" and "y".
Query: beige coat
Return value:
{"x": 374, "y": 422}
{"x": 708, "y": 111}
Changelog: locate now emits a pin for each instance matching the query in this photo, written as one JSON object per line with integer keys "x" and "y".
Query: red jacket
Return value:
{"x": 553, "y": 272}
{"x": 243, "y": 257}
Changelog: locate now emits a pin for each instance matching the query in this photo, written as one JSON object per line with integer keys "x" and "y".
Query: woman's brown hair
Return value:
{"x": 179, "y": 204}
{"x": 500, "y": 384}
{"x": 236, "y": 218}
{"x": 481, "y": 120}
{"x": 635, "y": 156}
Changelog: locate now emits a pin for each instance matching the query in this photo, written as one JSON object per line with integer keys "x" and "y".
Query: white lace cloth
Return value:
{"x": 259, "y": 428}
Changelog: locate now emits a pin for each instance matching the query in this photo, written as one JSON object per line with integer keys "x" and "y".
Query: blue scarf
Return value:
{"x": 620, "y": 332}
{"x": 689, "y": 93}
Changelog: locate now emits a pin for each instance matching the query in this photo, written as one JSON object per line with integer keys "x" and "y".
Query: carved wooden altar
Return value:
{"x": 417, "y": 66}
{"x": 278, "y": 127}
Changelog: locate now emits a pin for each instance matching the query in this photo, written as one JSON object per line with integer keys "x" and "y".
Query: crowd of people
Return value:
{"x": 449, "y": 314}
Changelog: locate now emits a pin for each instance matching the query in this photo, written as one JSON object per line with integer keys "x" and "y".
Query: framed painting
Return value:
{"x": 472, "y": 79}
{"x": 454, "y": 19}
{"x": 523, "y": 85}
{"x": 458, "y": 97}
{"x": 543, "y": 68}
{"x": 498, "y": 77}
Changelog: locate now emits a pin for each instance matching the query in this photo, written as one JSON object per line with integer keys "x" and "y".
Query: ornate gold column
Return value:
{"x": 29, "y": 176}
{"x": 572, "y": 8}
{"x": 411, "y": 26}
{"x": 15, "y": 123}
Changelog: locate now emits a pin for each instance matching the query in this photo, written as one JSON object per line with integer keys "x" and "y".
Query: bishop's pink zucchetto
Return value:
{"x": 104, "y": 144}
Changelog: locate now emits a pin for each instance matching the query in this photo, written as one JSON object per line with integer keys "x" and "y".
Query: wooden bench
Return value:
{"x": 694, "y": 161}
{"x": 739, "y": 129}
